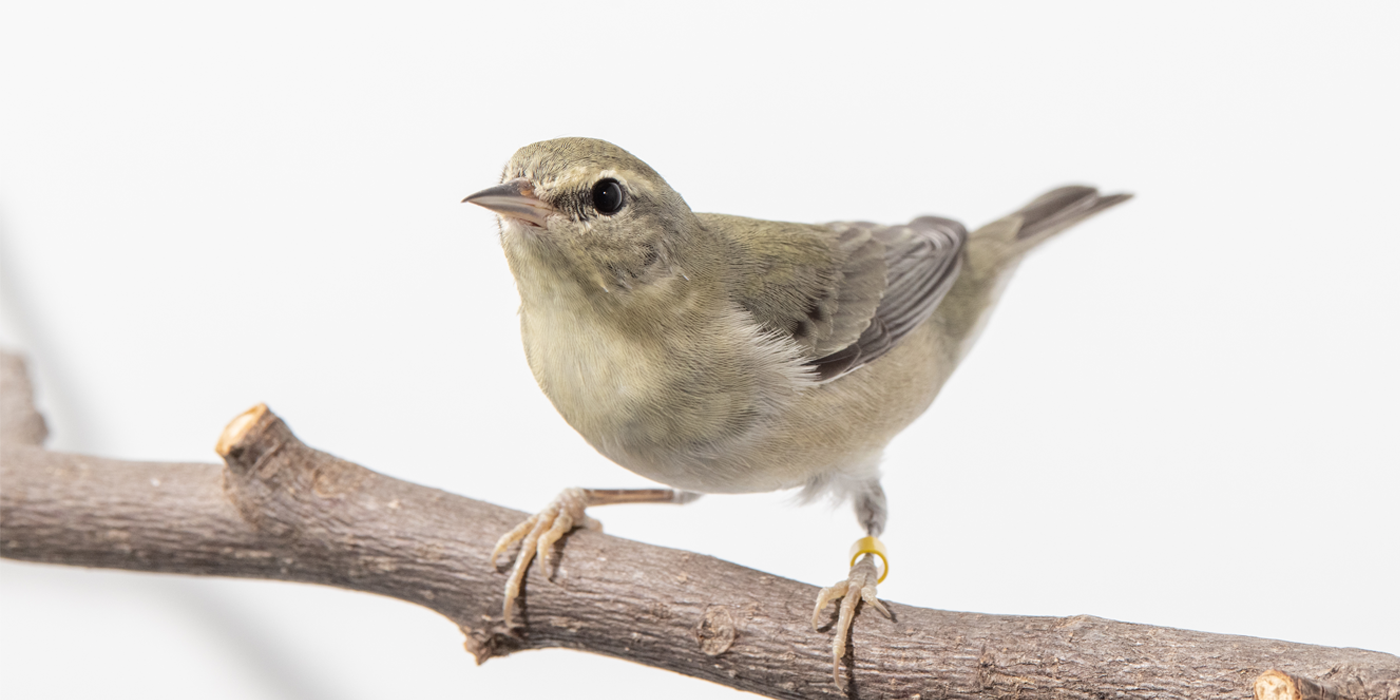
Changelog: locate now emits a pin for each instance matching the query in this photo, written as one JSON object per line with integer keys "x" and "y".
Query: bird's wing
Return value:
{"x": 921, "y": 261}
{"x": 845, "y": 292}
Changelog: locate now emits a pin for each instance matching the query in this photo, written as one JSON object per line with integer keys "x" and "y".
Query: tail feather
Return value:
{"x": 993, "y": 252}
{"x": 1059, "y": 209}
{"x": 999, "y": 246}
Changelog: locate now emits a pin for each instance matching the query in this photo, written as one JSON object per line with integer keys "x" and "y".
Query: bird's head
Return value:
{"x": 590, "y": 207}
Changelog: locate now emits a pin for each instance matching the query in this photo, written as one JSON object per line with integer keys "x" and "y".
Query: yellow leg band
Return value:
{"x": 871, "y": 545}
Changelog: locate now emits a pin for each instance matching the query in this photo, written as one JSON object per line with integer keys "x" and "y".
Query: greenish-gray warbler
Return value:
{"x": 720, "y": 354}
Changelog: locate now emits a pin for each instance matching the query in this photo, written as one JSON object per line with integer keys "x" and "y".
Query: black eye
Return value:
{"x": 607, "y": 196}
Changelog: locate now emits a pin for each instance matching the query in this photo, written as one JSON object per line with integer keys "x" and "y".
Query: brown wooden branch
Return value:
{"x": 281, "y": 510}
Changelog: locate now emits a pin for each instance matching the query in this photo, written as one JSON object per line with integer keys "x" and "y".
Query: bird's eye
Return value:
{"x": 607, "y": 196}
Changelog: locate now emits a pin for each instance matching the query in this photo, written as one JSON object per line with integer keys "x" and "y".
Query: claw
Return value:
{"x": 860, "y": 585}
{"x": 511, "y": 538}
{"x": 537, "y": 536}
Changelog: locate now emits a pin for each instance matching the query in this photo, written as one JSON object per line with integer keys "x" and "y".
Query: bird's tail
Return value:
{"x": 1001, "y": 244}
{"x": 994, "y": 251}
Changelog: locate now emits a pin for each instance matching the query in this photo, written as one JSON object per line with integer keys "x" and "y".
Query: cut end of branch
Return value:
{"x": 1275, "y": 685}
{"x": 237, "y": 428}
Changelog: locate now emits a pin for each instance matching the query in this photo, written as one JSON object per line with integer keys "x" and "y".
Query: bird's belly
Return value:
{"x": 689, "y": 420}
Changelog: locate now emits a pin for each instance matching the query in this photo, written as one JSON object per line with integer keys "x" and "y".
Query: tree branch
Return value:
{"x": 281, "y": 510}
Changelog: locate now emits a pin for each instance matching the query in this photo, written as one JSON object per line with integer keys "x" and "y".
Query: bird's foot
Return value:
{"x": 537, "y": 535}
{"x": 858, "y": 586}
{"x": 539, "y": 532}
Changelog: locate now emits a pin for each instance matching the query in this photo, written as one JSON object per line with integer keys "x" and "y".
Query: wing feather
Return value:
{"x": 846, "y": 292}
{"x": 922, "y": 259}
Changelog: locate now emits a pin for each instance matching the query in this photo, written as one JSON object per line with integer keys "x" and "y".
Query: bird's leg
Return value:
{"x": 865, "y": 574}
{"x": 538, "y": 533}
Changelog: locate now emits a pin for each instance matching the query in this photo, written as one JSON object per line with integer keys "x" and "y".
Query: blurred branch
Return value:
{"x": 281, "y": 510}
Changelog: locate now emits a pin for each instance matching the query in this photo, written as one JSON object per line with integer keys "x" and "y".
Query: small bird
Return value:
{"x": 721, "y": 354}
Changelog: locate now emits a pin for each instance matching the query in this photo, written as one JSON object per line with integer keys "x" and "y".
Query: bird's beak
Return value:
{"x": 514, "y": 199}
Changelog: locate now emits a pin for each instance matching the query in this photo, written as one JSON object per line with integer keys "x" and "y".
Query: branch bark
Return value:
{"x": 278, "y": 509}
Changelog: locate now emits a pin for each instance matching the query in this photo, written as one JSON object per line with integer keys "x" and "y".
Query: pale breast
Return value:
{"x": 675, "y": 403}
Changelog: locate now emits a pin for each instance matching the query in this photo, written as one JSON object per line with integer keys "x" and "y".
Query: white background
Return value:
{"x": 1183, "y": 414}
